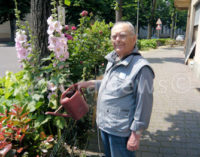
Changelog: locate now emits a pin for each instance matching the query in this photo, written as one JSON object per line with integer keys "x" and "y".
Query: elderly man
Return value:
{"x": 125, "y": 94}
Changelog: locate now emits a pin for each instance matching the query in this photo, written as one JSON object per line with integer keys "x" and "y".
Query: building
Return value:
{"x": 192, "y": 38}
{"x": 5, "y": 33}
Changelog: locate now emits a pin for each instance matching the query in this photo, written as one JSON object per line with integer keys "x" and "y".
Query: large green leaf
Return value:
{"x": 60, "y": 122}
{"x": 31, "y": 106}
{"x": 37, "y": 97}
{"x": 67, "y": 2}
{"x": 41, "y": 119}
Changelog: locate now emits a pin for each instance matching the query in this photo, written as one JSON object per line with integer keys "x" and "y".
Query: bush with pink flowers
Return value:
{"x": 77, "y": 53}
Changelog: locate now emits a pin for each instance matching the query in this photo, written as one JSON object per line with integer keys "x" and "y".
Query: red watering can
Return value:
{"x": 73, "y": 102}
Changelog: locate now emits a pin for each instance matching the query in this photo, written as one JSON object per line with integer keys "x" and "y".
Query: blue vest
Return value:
{"x": 116, "y": 99}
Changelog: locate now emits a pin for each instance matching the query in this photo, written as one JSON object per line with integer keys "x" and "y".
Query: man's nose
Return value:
{"x": 118, "y": 38}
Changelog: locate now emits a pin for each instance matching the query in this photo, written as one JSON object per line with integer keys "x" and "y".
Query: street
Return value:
{"x": 8, "y": 60}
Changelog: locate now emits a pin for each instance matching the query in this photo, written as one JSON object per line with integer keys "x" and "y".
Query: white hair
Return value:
{"x": 131, "y": 27}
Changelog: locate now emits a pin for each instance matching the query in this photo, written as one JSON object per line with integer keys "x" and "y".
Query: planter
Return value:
{"x": 5, "y": 150}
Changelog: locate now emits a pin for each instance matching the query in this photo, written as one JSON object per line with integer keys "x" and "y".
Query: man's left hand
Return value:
{"x": 133, "y": 141}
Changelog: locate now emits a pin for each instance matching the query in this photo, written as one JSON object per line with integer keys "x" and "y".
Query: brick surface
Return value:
{"x": 174, "y": 128}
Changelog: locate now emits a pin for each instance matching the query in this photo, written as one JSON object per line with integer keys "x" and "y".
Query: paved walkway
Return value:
{"x": 8, "y": 59}
{"x": 174, "y": 129}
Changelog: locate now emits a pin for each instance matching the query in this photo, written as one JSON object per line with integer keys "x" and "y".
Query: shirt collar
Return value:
{"x": 111, "y": 57}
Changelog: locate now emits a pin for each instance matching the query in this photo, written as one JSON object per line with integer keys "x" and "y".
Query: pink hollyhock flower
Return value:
{"x": 66, "y": 27}
{"x": 73, "y": 28}
{"x": 63, "y": 40}
{"x": 50, "y": 20}
{"x": 57, "y": 44}
{"x": 61, "y": 53}
{"x": 64, "y": 56}
{"x": 21, "y": 45}
{"x": 50, "y": 29}
{"x": 58, "y": 51}
{"x": 57, "y": 26}
{"x": 22, "y": 54}
{"x": 53, "y": 40}
{"x": 84, "y": 13}
{"x": 21, "y": 37}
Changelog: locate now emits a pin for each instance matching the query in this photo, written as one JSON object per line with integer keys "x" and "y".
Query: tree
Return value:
{"x": 40, "y": 11}
{"x": 118, "y": 10}
{"x": 151, "y": 18}
{"x": 102, "y": 9}
{"x": 7, "y": 13}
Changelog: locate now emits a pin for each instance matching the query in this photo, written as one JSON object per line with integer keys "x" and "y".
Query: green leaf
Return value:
{"x": 9, "y": 93}
{"x": 37, "y": 97}
{"x": 41, "y": 119}
{"x": 38, "y": 104}
{"x": 2, "y": 109}
{"x": 67, "y": 2}
{"x": 1, "y": 91}
{"x": 53, "y": 104}
{"x": 31, "y": 106}
{"x": 60, "y": 122}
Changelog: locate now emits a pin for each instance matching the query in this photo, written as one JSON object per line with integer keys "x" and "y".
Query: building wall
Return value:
{"x": 194, "y": 37}
{"x": 5, "y": 29}
{"x": 197, "y": 53}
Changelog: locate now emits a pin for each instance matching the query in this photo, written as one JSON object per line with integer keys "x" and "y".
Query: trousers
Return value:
{"x": 115, "y": 146}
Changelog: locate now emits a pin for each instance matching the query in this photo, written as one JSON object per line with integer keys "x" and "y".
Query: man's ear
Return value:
{"x": 134, "y": 38}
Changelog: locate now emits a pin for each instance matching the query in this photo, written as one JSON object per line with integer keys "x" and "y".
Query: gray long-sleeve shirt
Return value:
{"x": 125, "y": 95}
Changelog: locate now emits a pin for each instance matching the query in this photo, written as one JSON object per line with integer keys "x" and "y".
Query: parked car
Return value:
{"x": 154, "y": 37}
{"x": 180, "y": 38}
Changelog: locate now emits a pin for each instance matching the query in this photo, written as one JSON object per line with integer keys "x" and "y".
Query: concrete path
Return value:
{"x": 174, "y": 129}
{"x": 8, "y": 60}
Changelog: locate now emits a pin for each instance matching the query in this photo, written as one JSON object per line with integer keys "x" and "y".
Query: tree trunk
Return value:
{"x": 149, "y": 31}
{"x": 40, "y": 11}
{"x": 153, "y": 7}
{"x": 118, "y": 11}
{"x": 172, "y": 25}
{"x": 12, "y": 29}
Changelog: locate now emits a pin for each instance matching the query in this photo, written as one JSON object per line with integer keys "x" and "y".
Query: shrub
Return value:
{"x": 145, "y": 44}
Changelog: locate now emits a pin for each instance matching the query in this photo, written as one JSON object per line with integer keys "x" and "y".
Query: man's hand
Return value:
{"x": 133, "y": 141}
{"x": 86, "y": 84}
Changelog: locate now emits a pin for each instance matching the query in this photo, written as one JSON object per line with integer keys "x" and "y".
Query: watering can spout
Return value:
{"x": 73, "y": 101}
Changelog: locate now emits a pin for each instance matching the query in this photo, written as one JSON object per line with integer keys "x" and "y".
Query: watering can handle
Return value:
{"x": 74, "y": 86}
{"x": 57, "y": 114}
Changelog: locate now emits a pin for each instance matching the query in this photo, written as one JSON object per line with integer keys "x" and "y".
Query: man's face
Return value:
{"x": 122, "y": 39}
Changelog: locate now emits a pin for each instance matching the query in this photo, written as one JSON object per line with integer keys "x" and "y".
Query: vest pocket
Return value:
{"x": 119, "y": 87}
{"x": 117, "y": 120}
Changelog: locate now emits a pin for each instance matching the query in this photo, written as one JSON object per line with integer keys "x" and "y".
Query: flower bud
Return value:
{"x": 66, "y": 27}
{"x": 73, "y": 28}
{"x": 84, "y": 13}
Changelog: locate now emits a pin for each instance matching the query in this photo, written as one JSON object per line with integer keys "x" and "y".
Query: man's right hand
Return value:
{"x": 86, "y": 84}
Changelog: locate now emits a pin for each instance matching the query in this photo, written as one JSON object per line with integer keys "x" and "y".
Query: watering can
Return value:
{"x": 73, "y": 101}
